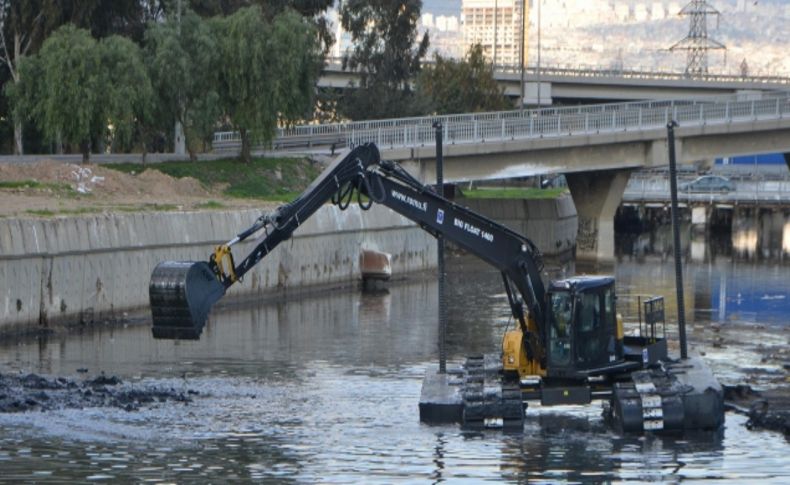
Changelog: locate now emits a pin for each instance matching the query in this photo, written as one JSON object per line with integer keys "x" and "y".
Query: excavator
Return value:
{"x": 568, "y": 346}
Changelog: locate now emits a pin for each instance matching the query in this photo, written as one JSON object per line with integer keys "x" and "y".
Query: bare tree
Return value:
{"x": 21, "y": 29}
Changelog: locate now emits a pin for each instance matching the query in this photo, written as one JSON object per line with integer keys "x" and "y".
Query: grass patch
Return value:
{"x": 40, "y": 212}
{"x": 513, "y": 193}
{"x": 210, "y": 204}
{"x": 278, "y": 179}
{"x": 147, "y": 207}
{"x": 55, "y": 187}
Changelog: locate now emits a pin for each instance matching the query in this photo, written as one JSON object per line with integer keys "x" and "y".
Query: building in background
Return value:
{"x": 497, "y": 26}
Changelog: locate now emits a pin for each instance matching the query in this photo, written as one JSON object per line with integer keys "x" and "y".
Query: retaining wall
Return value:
{"x": 86, "y": 269}
{"x": 551, "y": 224}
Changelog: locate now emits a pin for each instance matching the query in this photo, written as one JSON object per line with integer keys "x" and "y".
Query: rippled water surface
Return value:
{"x": 325, "y": 389}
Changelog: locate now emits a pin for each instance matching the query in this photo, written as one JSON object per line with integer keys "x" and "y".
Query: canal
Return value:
{"x": 325, "y": 388}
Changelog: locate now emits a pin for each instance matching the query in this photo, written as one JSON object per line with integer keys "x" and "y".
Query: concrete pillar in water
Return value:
{"x": 597, "y": 196}
{"x": 699, "y": 216}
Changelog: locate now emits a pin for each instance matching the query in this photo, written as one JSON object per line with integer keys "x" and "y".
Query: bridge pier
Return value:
{"x": 597, "y": 195}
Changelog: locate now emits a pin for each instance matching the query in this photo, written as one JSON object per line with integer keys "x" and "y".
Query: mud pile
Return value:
{"x": 33, "y": 392}
{"x": 769, "y": 409}
{"x": 102, "y": 181}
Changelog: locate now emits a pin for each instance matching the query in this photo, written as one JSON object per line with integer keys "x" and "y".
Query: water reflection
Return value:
{"x": 325, "y": 389}
{"x": 786, "y": 239}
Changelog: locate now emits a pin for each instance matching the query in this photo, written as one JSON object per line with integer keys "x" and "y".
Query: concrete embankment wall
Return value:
{"x": 92, "y": 269}
{"x": 551, "y": 224}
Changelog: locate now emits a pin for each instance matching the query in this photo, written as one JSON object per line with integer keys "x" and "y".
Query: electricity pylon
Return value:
{"x": 697, "y": 43}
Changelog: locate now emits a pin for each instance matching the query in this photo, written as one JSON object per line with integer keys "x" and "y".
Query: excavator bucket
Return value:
{"x": 181, "y": 295}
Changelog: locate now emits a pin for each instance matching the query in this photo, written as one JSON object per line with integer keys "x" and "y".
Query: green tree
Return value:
{"x": 183, "y": 57}
{"x": 386, "y": 54}
{"x": 268, "y": 73}
{"x": 309, "y": 9}
{"x": 128, "y": 95}
{"x": 68, "y": 105}
{"x": 462, "y": 86}
{"x": 76, "y": 88}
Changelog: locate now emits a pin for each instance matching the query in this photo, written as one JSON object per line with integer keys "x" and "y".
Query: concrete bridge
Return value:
{"x": 762, "y": 193}
{"x": 596, "y": 146}
{"x": 587, "y": 83}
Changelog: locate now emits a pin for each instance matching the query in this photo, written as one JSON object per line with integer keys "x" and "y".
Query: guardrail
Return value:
{"x": 761, "y": 191}
{"x": 519, "y": 124}
{"x": 587, "y": 71}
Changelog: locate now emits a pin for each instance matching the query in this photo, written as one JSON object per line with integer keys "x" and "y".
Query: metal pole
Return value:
{"x": 673, "y": 188}
{"x": 539, "y": 100}
{"x": 496, "y": 21}
{"x": 440, "y": 254}
{"x": 521, "y": 49}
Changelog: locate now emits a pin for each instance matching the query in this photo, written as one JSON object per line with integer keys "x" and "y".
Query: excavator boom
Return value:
{"x": 182, "y": 293}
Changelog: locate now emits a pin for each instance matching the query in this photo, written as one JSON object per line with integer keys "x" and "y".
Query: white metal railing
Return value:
{"x": 520, "y": 124}
{"x": 656, "y": 189}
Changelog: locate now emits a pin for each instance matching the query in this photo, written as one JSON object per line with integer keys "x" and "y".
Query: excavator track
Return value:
{"x": 489, "y": 401}
{"x": 181, "y": 294}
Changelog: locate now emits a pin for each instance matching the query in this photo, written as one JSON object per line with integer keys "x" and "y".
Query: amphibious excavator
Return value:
{"x": 568, "y": 346}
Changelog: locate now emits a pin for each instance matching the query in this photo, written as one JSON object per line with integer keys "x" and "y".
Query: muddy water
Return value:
{"x": 325, "y": 389}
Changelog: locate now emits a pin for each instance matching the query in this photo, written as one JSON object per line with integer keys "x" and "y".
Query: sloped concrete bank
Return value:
{"x": 96, "y": 268}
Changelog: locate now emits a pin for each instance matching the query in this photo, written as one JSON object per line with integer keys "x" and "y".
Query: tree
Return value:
{"x": 387, "y": 56}
{"x": 127, "y": 104}
{"x": 23, "y": 27}
{"x": 183, "y": 59}
{"x": 76, "y": 88}
{"x": 268, "y": 73}
{"x": 462, "y": 86}
{"x": 68, "y": 105}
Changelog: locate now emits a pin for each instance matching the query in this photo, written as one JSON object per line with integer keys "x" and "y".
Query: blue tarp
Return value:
{"x": 770, "y": 159}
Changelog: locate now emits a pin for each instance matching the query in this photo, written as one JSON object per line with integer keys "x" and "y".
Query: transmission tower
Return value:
{"x": 697, "y": 43}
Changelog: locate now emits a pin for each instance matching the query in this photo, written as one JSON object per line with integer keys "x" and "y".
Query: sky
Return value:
{"x": 442, "y": 7}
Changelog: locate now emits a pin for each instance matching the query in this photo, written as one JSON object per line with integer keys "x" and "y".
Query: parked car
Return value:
{"x": 708, "y": 183}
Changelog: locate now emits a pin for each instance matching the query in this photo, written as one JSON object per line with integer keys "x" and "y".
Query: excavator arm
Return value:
{"x": 182, "y": 293}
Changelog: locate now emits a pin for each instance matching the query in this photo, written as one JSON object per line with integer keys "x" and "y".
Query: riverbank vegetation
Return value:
{"x": 275, "y": 179}
{"x": 132, "y": 76}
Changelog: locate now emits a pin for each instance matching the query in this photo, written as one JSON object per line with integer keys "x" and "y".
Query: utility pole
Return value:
{"x": 697, "y": 43}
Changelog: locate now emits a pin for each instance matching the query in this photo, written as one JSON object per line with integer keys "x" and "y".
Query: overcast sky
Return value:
{"x": 442, "y": 7}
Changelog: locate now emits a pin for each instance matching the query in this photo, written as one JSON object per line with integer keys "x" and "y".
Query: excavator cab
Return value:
{"x": 583, "y": 335}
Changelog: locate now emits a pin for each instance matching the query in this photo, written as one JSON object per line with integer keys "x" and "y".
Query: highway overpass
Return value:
{"x": 571, "y": 85}
{"x": 596, "y": 146}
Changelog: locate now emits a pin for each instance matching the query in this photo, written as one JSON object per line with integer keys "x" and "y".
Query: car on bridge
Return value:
{"x": 708, "y": 183}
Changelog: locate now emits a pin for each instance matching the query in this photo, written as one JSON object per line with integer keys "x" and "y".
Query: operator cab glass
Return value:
{"x": 582, "y": 325}
{"x": 560, "y": 327}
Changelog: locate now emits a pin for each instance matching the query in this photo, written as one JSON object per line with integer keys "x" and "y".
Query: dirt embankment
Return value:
{"x": 49, "y": 188}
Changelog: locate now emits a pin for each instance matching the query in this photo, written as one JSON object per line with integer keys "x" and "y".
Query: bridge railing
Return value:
{"x": 327, "y": 134}
{"x": 518, "y": 124}
{"x": 635, "y": 72}
{"x": 573, "y": 122}
{"x": 656, "y": 189}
